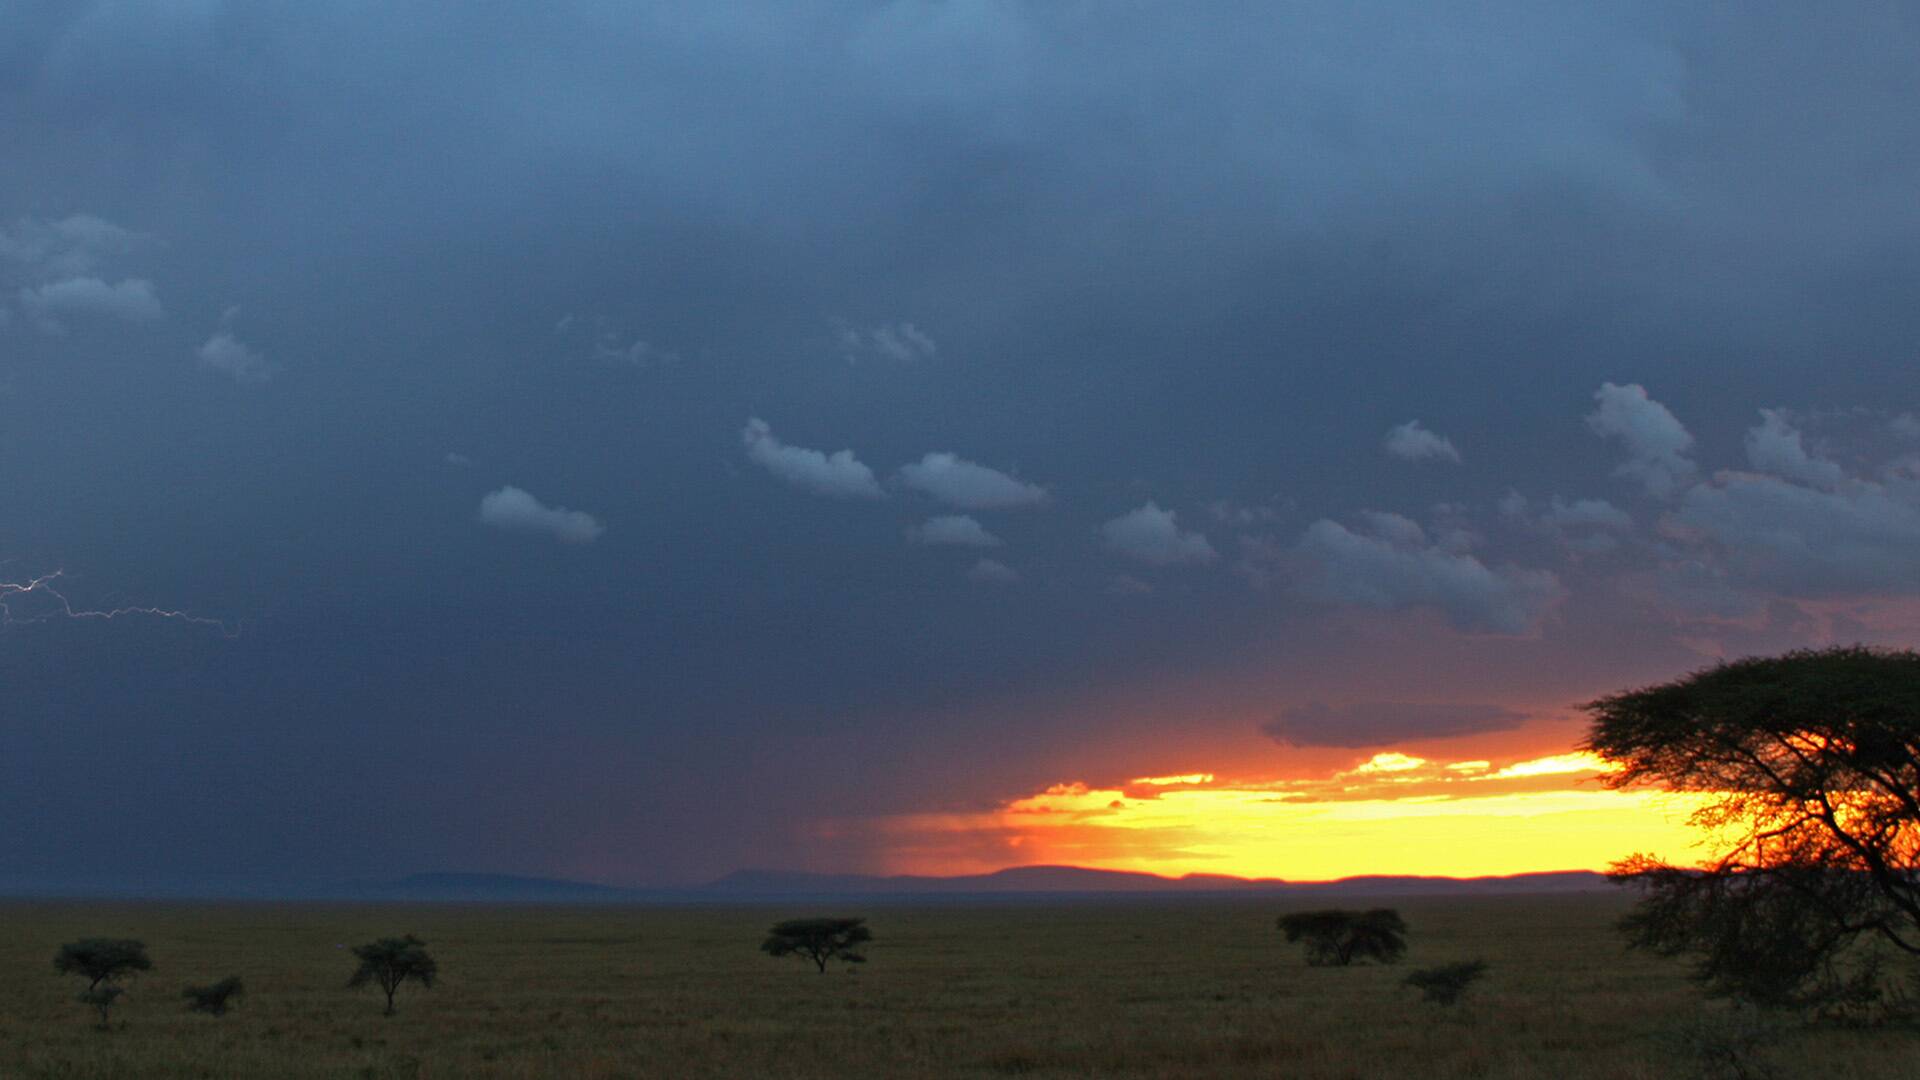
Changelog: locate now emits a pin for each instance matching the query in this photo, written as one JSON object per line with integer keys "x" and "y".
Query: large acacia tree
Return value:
{"x": 389, "y": 962}
{"x": 1809, "y": 765}
{"x": 103, "y": 962}
{"x": 819, "y": 940}
{"x": 1337, "y": 938}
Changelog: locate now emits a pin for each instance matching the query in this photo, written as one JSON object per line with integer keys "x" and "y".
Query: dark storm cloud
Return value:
{"x": 1076, "y": 272}
{"x": 1382, "y": 723}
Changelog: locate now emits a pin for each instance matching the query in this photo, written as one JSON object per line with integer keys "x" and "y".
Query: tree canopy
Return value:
{"x": 819, "y": 940}
{"x": 102, "y": 962}
{"x": 1810, "y": 767}
{"x": 389, "y": 962}
{"x": 1337, "y": 938}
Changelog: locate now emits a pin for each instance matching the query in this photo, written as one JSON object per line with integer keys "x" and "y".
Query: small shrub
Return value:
{"x": 101, "y": 997}
{"x": 215, "y": 999}
{"x": 1726, "y": 1045}
{"x": 1445, "y": 984}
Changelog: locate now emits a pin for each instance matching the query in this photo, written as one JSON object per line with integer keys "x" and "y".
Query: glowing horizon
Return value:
{"x": 1393, "y": 814}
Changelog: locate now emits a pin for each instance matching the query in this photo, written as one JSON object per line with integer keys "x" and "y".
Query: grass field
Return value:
{"x": 1160, "y": 989}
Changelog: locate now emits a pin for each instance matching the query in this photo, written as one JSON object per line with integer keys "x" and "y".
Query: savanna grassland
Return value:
{"x": 1135, "y": 989}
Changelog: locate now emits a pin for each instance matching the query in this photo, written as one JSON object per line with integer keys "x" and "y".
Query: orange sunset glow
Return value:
{"x": 1394, "y": 813}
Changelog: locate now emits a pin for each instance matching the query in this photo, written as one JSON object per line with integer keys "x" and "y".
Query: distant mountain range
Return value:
{"x": 1040, "y": 882}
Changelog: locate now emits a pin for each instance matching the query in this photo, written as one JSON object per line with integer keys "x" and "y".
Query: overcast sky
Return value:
{"x": 607, "y": 440}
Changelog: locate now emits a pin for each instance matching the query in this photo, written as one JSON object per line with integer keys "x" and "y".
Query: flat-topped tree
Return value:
{"x": 1806, "y": 768}
{"x": 1337, "y": 938}
{"x": 819, "y": 940}
{"x": 102, "y": 962}
{"x": 391, "y": 961}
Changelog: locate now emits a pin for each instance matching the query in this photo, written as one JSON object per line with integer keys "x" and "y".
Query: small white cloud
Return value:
{"x": 457, "y": 460}
{"x": 609, "y": 349}
{"x": 959, "y": 482}
{"x": 233, "y": 358}
{"x": 515, "y": 510}
{"x": 1776, "y": 447}
{"x": 1128, "y": 585}
{"x": 953, "y": 529}
{"x": 1150, "y": 535}
{"x": 839, "y": 474}
{"x": 1411, "y": 442}
{"x": 899, "y": 343}
{"x": 131, "y": 300}
{"x": 1655, "y": 440}
{"x": 993, "y": 573}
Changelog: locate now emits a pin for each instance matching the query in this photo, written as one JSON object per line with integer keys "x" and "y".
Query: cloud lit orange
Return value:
{"x": 1392, "y": 814}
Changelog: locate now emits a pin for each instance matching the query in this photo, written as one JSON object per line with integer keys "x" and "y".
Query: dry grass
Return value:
{"x": 1129, "y": 990}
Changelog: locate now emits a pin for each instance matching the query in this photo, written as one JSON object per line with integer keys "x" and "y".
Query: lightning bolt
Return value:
{"x": 58, "y": 606}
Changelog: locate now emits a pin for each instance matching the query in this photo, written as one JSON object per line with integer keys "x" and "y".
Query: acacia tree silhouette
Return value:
{"x": 102, "y": 961}
{"x": 1810, "y": 763}
{"x": 819, "y": 940}
{"x": 389, "y": 962}
{"x": 1336, "y": 938}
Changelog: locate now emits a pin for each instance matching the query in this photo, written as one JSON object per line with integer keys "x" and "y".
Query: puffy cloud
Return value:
{"x": 839, "y": 475}
{"x": 1411, "y": 442}
{"x": 131, "y": 300}
{"x": 1586, "y": 514}
{"x": 1776, "y": 447}
{"x": 1394, "y": 567}
{"x": 232, "y": 357}
{"x": 900, "y": 343}
{"x": 1395, "y": 528}
{"x": 516, "y": 510}
{"x": 962, "y": 483}
{"x": 1859, "y": 536}
{"x": 1656, "y": 442}
{"x": 992, "y": 572}
{"x": 1380, "y": 723}
{"x": 1231, "y": 513}
{"x": 66, "y": 248}
{"x": 1150, "y": 535}
{"x": 1585, "y": 526}
{"x": 953, "y": 529}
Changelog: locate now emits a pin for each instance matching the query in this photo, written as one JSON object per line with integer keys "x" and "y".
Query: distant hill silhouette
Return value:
{"x": 766, "y": 886}
{"x": 1079, "y": 880}
{"x": 488, "y": 888}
